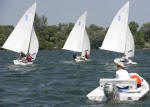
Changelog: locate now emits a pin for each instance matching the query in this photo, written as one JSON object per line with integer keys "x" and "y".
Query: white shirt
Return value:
{"x": 122, "y": 74}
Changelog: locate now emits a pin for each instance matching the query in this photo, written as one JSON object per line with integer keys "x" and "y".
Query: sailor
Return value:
{"x": 29, "y": 58}
{"x": 21, "y": 55}
{"x": 124, "y": 58}
{"x": 74, "y": 55}
{"x": 87, "y": 55}
{"x": 122, "y": 74}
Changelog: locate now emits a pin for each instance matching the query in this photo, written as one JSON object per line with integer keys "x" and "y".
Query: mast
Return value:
{"x": 30, "y": 40}
{"x": 125, "y": 44}
{"x": 83, "y": 41}
{"x": 127, "y": 29}
{"x": 31, "y": 28}
{"x": 84, "y": 31}
{"x": 31, "y": 31}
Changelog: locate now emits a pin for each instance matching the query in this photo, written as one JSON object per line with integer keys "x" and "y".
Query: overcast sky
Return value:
{"x": 100, "y": 12}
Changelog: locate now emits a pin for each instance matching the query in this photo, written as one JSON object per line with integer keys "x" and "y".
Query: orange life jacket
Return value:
{"x": 138, "y": 79}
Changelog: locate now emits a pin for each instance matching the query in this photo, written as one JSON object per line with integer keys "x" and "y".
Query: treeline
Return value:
{"x": 54, "y": 37}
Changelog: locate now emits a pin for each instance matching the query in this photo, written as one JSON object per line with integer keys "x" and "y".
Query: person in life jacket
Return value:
{"x": 87, "y": 55}
{"x": 74, "y": 55}
{"x": 138, "y": 80}
{"x": 21, "y": 55}
{"x": 29, "y": 58}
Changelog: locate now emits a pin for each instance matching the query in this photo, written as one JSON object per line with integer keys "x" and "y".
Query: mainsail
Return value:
{"x": 75, "y": 38}
{"x": 115, "y": 39}
{"x": 19, "y": 39}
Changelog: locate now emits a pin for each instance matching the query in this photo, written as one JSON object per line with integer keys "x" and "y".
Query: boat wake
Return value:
{"x": 22, "y": 69}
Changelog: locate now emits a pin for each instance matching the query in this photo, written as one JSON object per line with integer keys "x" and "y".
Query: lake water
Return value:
{"x": 55, "y": 80}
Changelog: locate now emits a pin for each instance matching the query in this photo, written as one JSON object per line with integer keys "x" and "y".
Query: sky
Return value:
{"x": 100, "y": 12}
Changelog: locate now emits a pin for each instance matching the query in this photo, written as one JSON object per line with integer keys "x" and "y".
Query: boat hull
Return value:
{"x": 80, "y": 59}
{"x": 116, "y": 60}
{"x": 127, "y": 95}
{"x": 19, "y": 62}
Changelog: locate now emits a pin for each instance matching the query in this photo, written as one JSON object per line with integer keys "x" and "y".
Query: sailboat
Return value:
{"x": 129, "y": 50}
{"x": 119, "y": 37}
{"x": 78, "y": 40}
{"x": 108, "y": 88}
{"x": 23, "y": 39}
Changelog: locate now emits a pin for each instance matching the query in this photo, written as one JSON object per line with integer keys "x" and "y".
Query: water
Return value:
{"x": 55, "y": 80}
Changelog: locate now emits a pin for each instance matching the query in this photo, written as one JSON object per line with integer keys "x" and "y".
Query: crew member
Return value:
{"x": 74, "y": 55}
{"x": 29, "y": 58}
{"x": 122, "y": 74}
{"x": 87, "y": 55}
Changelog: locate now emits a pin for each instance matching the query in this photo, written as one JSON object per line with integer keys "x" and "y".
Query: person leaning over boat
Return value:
{"x": 122, "y": 74}
{"x": 21, "y": 56}
{"x": 25, "y": 58}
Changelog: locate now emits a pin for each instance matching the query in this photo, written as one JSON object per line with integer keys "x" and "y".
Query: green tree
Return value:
{"x": 133, "y": 27}
{"x": 54, "y": 36}
{"x": 96, "y": 35}
{"x": 40, "y": 23}
{"x": 5, "y": 31}
{"x": 139, "y": 40}
{"x": 2, "y": 39}
{"x": 146, "y": 29}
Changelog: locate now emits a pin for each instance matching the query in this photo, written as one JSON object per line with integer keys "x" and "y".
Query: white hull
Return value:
{"x": 80, "y": 59}
{"x": 19, "y": 62}
{"x": 132, "y": 94}
{"x": 116, "y": 60}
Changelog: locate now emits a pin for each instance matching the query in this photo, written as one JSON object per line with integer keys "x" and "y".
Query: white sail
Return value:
{"x": 75, "y": 38}
{"x": 18, "y": 41}
{"x": 34, "y": 45}
{"x": 86, "y": 44}
{"x": 115, "y": 38}
{"x": 129, "y": 51}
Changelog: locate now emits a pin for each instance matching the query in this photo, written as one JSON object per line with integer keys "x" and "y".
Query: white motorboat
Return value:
{"x": 108, "y": 90}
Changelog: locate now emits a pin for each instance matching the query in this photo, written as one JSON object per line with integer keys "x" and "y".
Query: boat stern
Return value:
{"x": 97, "y": 95}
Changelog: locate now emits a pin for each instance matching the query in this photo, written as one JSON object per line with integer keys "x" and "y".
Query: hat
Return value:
{"x": 120, "y": 64}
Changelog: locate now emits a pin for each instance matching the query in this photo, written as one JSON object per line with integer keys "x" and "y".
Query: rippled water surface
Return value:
{"x": 55, "y": 80}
